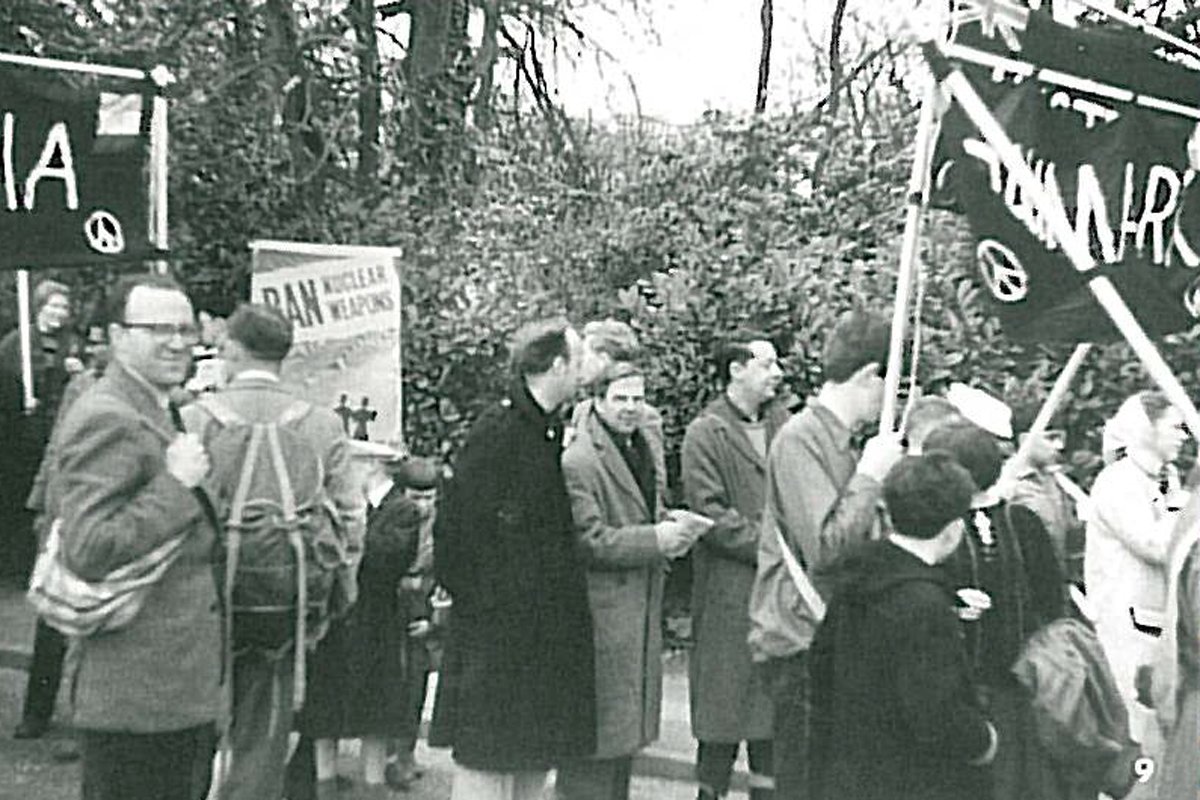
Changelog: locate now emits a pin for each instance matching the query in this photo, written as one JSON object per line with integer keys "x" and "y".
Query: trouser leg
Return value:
{"x": 714, "y": 763}
{"x": 262, "y": 722}
{"x": 790, "y": 691}
{"x": 45, "y": 675}
{"x": 127, "y": 766}
{"x": 760, "y": 754}
{"x": 594, "y": 779}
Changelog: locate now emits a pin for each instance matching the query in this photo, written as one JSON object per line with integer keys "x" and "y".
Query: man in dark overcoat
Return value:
{"x": 724, "y": 477}
{"x": 517, "y": 693}
{"x": 895, "y": 714}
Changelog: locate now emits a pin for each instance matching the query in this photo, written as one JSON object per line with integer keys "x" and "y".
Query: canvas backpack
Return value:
{"x": 282, "y": 546}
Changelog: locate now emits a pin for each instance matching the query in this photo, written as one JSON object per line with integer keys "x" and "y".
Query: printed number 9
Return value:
{"x": 1143, "y": 768}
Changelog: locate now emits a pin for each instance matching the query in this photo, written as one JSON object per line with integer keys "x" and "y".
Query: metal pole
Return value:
{"x": 73, "y": 66}
{"x": 1073, "y": 246}
{"x": 918, "y": 197}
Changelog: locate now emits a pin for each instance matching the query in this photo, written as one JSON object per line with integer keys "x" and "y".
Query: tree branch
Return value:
{"x": 767, "y": 19}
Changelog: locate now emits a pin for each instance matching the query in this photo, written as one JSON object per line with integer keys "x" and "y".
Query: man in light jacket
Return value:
{"x": 823, "y": 496}
{"x": 724, "y": 475}
{"x": 146, "y": 695}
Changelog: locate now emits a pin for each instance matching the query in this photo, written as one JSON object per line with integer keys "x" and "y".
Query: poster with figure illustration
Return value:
{"x": 344, "y": 304}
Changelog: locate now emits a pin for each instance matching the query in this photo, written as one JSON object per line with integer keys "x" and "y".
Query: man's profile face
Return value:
{"x": 424, "y": 499}
{"x": 760, "y": 375}
{"x": 162, "y": 355}
{"x": 623, "y": 404}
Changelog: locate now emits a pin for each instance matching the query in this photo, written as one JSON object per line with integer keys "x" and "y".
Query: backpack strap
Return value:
{"x": 238, "y": 504}
{"x": 287, "y": 499}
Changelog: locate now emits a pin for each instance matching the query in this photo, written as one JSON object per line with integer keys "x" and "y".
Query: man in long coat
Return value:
{"x": 724, "y": 478}
{"x": 516, "y": 694}
{"x": 616, "y": 478}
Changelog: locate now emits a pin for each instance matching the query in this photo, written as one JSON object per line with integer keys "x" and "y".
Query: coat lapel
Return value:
{"x": 612, "y": 462}
{"x": 737, "y": 434}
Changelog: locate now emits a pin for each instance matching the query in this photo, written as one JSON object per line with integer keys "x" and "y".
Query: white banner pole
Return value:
{"x": 26, "y": 340}
{"x": 159, "y": 174}
{"x": 1072, "y": 245}
{"x": 1054, "y": 400}
{"x": 73, "y": 66}
{"x": 918, "y": 198}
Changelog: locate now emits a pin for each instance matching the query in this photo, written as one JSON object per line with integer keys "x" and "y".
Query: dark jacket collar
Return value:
{"x": 596, "y": 433}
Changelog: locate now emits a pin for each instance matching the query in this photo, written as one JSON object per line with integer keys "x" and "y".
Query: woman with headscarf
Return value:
{"x": 1134, "y": 503}
{"x": 1008, "y": 584}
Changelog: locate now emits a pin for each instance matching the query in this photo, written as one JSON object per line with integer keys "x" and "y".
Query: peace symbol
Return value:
{"x": 103, "y": 232}
{"x": 1002, "y": 271}
{"x": 1191, "y": 299}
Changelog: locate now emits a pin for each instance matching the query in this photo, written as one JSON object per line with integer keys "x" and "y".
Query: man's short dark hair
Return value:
{"x": 536, "y": 345}
{"x": 613, "y": 338}
{"x": 926, "y": 493}
{"x": 735, "y": 349}
{"x": 262, "y": 330}
{"x": 117, "y": 301}
{"x": 971, "y": 446}
{"x": 858, "y": 338}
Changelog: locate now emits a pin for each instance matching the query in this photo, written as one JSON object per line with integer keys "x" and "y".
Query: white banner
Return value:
{"x": 345, "y": 305}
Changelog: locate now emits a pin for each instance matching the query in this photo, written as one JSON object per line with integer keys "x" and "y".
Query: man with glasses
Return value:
{"x": 124, "y": 483}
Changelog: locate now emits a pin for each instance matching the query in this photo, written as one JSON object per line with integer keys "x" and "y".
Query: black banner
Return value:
{"x": 74, "y": 168}
{"x": 1119, "y": 167}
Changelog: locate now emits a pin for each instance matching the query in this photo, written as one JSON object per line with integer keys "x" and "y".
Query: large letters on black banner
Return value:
{"x": 74, "y": 168}
{"x": 1121, "y": 171}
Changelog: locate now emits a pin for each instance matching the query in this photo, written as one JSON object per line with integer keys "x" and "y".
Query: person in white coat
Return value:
{"x": 1135, "y": 499}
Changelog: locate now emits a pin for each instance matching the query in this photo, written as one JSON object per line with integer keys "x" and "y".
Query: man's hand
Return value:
{"x": 419, "y": 628}
{"x": 186, "y": 460}
{"x": 880, "y": 454}
{"x": 411, "y": 583}
{"x": 674, "y": 538}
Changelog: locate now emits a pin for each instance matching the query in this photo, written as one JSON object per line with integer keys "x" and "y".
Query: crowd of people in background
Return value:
{"x": 930, "y": 613}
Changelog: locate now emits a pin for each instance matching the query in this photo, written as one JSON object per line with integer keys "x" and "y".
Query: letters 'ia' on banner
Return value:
{"x": 75, "y": 168}
{"x": 1120, "y": 168}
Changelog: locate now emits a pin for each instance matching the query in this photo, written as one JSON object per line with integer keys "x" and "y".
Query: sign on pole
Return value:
{"x": 344, "y": 304}
{"x": 75, "y": 164}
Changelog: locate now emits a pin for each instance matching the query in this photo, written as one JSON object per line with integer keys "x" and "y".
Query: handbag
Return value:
{"x": 78, "y": 607}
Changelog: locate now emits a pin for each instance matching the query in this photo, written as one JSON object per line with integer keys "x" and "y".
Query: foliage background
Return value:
{"x": 299, "y": 120}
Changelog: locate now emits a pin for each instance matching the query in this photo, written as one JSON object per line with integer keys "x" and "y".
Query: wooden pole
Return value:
{"x": 159, "y": 178}
{"x": 73, "y": 66}
{"x": 910, "y": 247}
{"x": 26, "y": 339}
{"x": 1073, "y": 246}
{"x": 1054, "y": 400}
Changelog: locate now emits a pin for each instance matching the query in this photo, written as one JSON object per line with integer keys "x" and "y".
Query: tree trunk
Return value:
{"x": 485, "y": 66}
{"x": 437, "y": 101}
{"x": 369, "y": 95}
{"x": 767, "y": 17}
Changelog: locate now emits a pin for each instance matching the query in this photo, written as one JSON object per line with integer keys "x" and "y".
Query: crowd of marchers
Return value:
{"x": 933, "y": 613}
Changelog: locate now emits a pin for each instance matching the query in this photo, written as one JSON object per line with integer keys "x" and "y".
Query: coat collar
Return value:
{"x": 141, "y": 395}
{"x": 596, "y": 434}
{"x": 773, "y": 416}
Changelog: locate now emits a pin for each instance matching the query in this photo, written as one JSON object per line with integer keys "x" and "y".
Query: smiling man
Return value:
{"x": 146, "y": 695}
{"x": 616, "y": 478}
{"x": 724, "y": 478}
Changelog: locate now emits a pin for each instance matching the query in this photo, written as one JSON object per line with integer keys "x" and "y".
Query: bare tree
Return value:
{"x": 767, "y": 17}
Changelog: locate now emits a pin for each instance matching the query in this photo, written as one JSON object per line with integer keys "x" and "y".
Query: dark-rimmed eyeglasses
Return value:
{"x": 165, "y": 331}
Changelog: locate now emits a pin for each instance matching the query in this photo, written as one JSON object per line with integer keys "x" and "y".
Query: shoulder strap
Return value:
{"x": 238, "y": 505}
{"x": 808, "y": 592}
{"x": 294, "y": 412}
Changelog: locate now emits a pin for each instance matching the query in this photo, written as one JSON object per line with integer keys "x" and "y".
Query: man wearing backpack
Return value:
{"x": 282, "y": 476}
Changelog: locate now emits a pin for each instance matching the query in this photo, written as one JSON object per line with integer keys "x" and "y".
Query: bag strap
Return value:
{"x": 287, "y": 496}
{"x": 238, "y": 504}
{"x": 808, "y": 592}
{"x": 287, "y": 499}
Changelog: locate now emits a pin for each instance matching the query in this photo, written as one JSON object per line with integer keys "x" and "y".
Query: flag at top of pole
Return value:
{"x": 77, "y": 164}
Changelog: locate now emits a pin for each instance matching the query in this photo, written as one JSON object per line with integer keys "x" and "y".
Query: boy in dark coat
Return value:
{"x": 895, "y": 715}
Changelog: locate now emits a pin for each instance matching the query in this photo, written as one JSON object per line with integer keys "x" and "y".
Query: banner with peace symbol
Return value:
{"x": 1119, "y": 163}
{"x": 74, "y": 167}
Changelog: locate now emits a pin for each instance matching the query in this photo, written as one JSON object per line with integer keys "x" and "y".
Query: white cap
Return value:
{"x": 979, "y": 407}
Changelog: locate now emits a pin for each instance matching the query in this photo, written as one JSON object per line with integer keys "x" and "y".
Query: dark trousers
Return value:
{"x": 148, "y": 766}
{"x": 417, "y": 687}
{"x": 262, "y": 722}
{"x": 714, "y": 766}
{"x": 788, "y": 680}
{"x": 594, "y": 779}
{"x": 45, "y": 674}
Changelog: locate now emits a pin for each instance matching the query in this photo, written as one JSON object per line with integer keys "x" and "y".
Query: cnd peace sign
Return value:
{"x": 103, "y": 232}
{"x": 1002, "y": 271}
